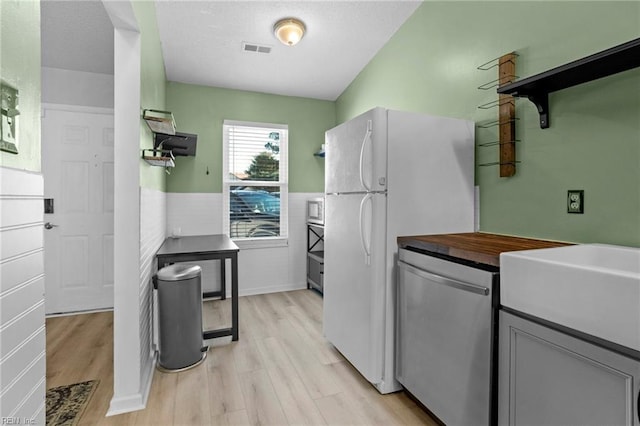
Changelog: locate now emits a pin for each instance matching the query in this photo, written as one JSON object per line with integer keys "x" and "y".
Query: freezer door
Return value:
{"x": 354, "y": 280}
{"x": 356, "y": 154}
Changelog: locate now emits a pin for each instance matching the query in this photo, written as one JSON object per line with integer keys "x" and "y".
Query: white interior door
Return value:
{"x": 77, "y": 165}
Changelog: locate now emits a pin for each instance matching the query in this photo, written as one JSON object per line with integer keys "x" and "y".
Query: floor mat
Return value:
{"x": 65, "y": 404}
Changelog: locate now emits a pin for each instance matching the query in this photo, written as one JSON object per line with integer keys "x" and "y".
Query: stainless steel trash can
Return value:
{"x": 180, "y": 317}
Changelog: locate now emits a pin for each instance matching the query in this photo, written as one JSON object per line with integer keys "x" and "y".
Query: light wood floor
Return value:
{"x": 281, "y": 371}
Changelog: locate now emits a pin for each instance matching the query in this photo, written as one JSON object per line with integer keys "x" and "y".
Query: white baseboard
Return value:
{"x": 148, "y": 378}
{"x": 273, "y": 289}
{"x": 89, "y": 311}
{"x": 125, "y": 404}
{"x": 137, "y": 401}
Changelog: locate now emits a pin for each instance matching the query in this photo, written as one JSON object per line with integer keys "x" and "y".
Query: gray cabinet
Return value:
{"x": 547, "y": 377}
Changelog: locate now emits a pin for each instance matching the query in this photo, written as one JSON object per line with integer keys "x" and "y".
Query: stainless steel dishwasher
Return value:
{"x": 446, "y": 340}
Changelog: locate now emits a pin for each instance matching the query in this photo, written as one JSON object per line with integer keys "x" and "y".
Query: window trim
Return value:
{"x": 283, "y": 183}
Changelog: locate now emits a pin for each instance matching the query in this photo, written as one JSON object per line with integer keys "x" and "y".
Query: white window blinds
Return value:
{"x": 255, "y": 187}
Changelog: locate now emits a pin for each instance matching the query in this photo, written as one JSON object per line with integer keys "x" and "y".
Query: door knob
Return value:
{"x": 49, "y": 225}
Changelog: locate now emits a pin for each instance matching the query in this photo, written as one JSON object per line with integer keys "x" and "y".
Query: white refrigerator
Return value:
{"x": 387, "y": 174}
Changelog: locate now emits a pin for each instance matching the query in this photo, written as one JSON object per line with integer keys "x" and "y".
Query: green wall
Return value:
{"x": 152, "y": 86}
{"x": 430, "y": 65}
{"x": 202, "y": 110}
{"x": 20, "y": 68}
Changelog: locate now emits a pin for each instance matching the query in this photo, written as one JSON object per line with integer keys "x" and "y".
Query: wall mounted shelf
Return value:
{"x": 506, "y": 120}
{"x": 159, "y": 157}
{"x": 602, "y": 64}
{"x": 160, "y": 121}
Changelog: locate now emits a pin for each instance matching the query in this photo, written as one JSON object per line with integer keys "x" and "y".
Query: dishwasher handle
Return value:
{"x": 450, "y": 282}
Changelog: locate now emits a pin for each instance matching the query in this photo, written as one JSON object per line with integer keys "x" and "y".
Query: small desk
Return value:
{"x": 207, "y": 247}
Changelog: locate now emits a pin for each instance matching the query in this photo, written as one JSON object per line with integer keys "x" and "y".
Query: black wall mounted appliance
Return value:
{"x": 180, "y": 144}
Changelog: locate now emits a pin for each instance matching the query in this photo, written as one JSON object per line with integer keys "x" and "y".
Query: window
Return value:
{"x": 255, "y": 176}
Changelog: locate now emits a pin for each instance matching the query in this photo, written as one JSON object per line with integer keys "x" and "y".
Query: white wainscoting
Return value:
{"x": 153, "y": 224}
{"x": 260, "y": 270}
{"x": 22, "y": 318}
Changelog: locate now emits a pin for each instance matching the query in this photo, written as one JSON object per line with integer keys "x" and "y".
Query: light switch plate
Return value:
{"x": 575, "y": 201}
{"x": 8, "y": 118}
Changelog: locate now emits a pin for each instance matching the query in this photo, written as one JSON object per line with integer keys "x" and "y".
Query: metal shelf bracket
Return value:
{"x": 541, "y": 101}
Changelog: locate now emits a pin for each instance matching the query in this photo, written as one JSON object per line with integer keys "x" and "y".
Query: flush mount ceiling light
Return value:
{"x": 289, "y": 31}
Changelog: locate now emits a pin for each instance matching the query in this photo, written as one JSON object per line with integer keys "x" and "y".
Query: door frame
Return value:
{"x": 75, "y": 108}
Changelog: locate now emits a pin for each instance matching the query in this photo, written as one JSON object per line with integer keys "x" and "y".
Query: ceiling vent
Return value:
{"x": 257, "y": 48}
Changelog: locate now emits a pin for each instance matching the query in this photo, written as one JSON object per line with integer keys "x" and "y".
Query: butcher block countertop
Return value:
{"x": 477, "y": 247}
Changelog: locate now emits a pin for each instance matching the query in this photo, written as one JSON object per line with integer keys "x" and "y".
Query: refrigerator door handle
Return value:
{"x": 366, "y": 245}
{"x": 367, "y": 136}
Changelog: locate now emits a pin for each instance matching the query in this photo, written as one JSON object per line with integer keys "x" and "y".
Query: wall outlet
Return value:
{"x": 575, "y": 201}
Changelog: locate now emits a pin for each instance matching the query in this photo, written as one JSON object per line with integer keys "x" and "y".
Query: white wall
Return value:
{"x": 77, "y": 88}
{"x": 260, "y": 270}
{"x": 22, "y": 329}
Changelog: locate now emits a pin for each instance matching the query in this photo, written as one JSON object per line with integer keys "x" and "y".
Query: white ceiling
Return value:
{"x": 202, "y": 41}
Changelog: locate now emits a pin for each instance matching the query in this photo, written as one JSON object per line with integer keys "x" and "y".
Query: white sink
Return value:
{"x": 593, "y": 288}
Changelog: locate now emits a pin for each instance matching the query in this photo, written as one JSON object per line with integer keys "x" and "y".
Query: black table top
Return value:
{"x": 195, "y": 244}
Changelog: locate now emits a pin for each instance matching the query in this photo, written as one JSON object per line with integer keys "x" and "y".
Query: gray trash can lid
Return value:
{"x": 178, "y": 272}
